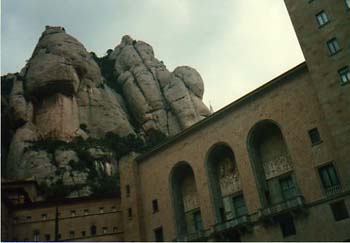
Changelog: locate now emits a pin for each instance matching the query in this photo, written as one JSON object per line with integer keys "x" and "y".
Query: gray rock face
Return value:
{"x": 159, "y": 100}
{"x": 64, "y": 92}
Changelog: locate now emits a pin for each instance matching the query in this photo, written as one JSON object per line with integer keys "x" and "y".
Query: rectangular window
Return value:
{"x": 158, "y": 235}
{"x": 86, "y": 212}
{"x": 102, "y": 210}
{"x": 287, "y": 188}
{"x": 114, "y": 209}
{"x": 197, "y": 219}
{"x": 72, "y": 213}
{"x": 29, "y": 218}
{"x": 155, "y": 205}
{"x": 333, "y": 46}
{"x": 59, "y": 236}
{"x": 239, "y": 206}
{"x": 339, "y": 210}
{"x": 329, "y": 178}
{"x": 83, "y": 233}
{"x": 129, "y": 212}
{"x": 322, "y": 18}
{"x": 47, "y": 237}
{"x": 287, "y": 225}
{"x": 36, "y": 235}
{"x": 115, "y": 229}
{"x": 344, "y": 74}
{"x": 44, "y": 216}
{"x": 104, "y": 230}
{"x": 127, "y": 189}
{"x": 71, "y": 234}
{"x": 314, "y": 136}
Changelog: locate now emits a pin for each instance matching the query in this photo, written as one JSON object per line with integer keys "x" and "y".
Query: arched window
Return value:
{"x": 272, "y": 163}
{"x": 225, "y": 183}
{"x": 186, "y": 206}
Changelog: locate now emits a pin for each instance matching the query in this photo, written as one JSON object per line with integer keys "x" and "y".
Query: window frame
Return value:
{"x": 290, "y": 178}
{"x": 336, "y": 216}
{"x": 330, "y": 190}
{"x": 333, "y": 46}
{"x": 237, "y": 209}
{"x": 344, "y": 72}
{"x": 311, "y": 133}
{"x": 323, "y": 16}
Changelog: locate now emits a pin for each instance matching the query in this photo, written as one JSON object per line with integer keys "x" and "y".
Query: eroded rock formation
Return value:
{"x": 65, "y": 93}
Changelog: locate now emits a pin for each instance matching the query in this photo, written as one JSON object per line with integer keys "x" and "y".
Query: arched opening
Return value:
{"x": 186, "y": 206}
{"x": 225, "y": 183}
{"x": 272, "y": 163}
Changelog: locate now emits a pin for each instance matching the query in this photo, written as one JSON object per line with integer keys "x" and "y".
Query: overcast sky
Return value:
{"x": 236, "y": 45}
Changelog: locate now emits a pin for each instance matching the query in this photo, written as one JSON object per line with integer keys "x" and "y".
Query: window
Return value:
{"x": 197, "y": 219}
{"x": 314, "y": 136}
{"x": 114, "y": 209}
{"x": 347, "y": 3}
{"x": 71, "y": 234}
{"x": 287, "y": 188}
{"x": 344, "y": 74}
{"x": 129, "y": 212}
{"x": 36, "y": 235}
{"x": 322, "y": 18}
{"x": 333, "y": 46}
{"x": 287, "y": 225}
{"x": 239, "y": 206}
{"x": 15, "y": 220}
{"x": 47, "y": 237}
{"x": 73, "y": 213}
{"x": 102, "y": 210}
{"x": 127, "y": 188}
{"x": 115, "y": 229}
{"x": 44, "y": 216}
{"x": 86, "y": 211}
{"x": 329, "y": 177}
{"x": 59, "y": 236}
{"x": 104, "y": 230}
{"x": 158, "y": 235}
{"x": 29, "y": 218}
{"x": 155, "y": 205}
{"x": 83, "y": 233}
{"x": 339, "y": 210}
{"x": 93, "y": 230}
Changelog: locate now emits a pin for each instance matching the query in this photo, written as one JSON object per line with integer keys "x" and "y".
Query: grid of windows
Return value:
{"x": 287, "y": 187}
{"x": 333, "y": 46}
{"x": 344, "y": 74}
{"x": 239, "y": 206}
{"x": 322, "y": 18}
{"x": 339, "y": 210}
{"x": 329, "y": 177}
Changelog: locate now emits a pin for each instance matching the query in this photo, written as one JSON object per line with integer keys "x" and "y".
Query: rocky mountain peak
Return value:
{"x": 68, "y": 96}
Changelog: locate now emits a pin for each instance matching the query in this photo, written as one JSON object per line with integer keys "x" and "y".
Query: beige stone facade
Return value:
{"x": 273, "y": 165}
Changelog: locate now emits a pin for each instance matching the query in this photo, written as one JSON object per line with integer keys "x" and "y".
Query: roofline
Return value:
{"x": 223, "y": 110}
{"x": 64, "y": 201}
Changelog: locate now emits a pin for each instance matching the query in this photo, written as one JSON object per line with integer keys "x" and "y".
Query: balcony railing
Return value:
{"x": 293, "y": 204}
{"x": 330, "y": 191}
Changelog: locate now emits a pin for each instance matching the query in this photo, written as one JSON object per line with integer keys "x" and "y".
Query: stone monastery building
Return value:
{"x": 273, "y": 165}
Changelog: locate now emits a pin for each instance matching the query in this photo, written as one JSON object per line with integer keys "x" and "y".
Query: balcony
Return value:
{"x": 330, "y": 191}
{"x": 295, "y": 204}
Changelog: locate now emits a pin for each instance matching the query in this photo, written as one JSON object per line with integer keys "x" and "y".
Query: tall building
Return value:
{"x": 271, "y": 166}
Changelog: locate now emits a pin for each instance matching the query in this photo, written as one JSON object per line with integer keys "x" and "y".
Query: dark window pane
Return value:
{"x": 287, "y": 187}
{"x": 197, "y": 218}
{"x": 314, "y": 136}
{"x": 339, "y": 211}
{"x": 287, "y": 225}
{"x": 329, "y": 176}
{"x": 344, "y": 74}
{"x": 158, "y": 234}
{"x": 155, "y": 205}
{"x": 239, "y": 206}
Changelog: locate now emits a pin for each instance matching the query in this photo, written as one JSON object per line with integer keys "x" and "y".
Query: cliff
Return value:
{"x": 68, "y": 116}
